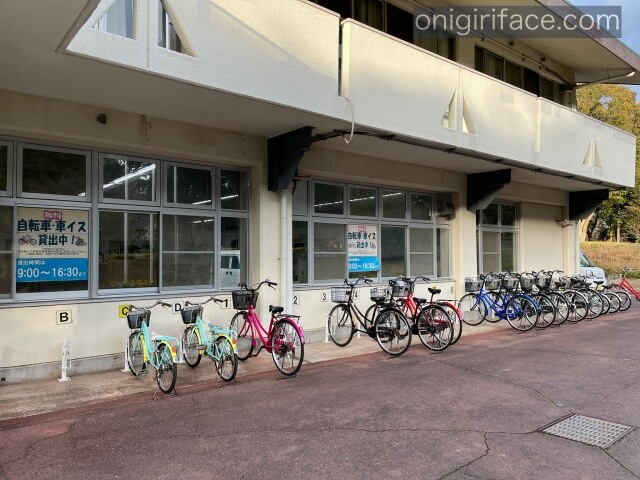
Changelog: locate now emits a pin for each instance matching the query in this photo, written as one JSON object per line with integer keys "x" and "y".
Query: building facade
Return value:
{"x": 171, "y": 149}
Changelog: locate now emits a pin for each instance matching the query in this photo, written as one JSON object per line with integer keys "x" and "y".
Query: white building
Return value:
{"x": 149, "y": 149}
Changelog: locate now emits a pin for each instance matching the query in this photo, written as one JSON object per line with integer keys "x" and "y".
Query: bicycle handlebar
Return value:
{"x": 216, "y": 300}
{"x": 368, "y": 281}
{"x": 243, "y": 285}
{"x": 159, "y": 302}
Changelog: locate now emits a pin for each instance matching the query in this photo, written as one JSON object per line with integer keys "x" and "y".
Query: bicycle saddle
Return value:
{"x": 434, "y": 291}
{"x": 275, "y": 310}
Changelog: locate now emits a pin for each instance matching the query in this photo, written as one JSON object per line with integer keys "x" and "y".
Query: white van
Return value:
{"x": 230, "y": 268}
{"x": 589, "y": 270}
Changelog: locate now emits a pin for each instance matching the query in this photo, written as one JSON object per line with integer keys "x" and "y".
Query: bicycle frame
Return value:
{"x": 625, "y": 285}
{"x": 148, "y": 350}
{"x": 257, "y": 330}
{"x": 216, "y": 331}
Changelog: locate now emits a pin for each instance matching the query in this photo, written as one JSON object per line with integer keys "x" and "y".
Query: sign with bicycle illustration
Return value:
{"x": 362, "y": 245}
{"x": 53, "y": 245}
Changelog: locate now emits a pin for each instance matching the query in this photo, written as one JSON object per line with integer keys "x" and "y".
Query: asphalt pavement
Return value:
{"x": 476, "y": 410}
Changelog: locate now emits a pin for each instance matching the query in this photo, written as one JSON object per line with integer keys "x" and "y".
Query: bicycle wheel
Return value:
{"x": 473, "y": 309}
{"x": 498, "y": 299}
{"x": 393, "y": 331}
{"x": 595, "y": 304}
{"x": 456, "y": 320}
{"x": 434, "y": 328}
{"x": 340, "y": 325}
{"x": 546, "y": 308}
{"x": 190, "y": 342}
{"x": 625, "y": 300}
{"x": 521, "y": 312}
{"x": 370, "y": 314}
{"x": 562, "y": 307}
{"x": 244, "y": 341}
{"x": 287, "y": 349}
{"x": 606, "y": 304}
{"x": 578, "y": 305}
{"x": 614, "y": 301}
{"x": 225, "y": 360}
{"x": 167, "y": 371}
{"x": 135, "y": 355}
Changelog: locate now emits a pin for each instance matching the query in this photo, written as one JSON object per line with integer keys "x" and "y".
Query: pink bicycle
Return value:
{"x": 283, "y": 339}
{"x": 623, "y": 288}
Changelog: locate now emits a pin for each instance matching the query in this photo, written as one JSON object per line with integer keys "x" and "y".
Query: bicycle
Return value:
{"x": 620, "y": 282}
{"x": 283, "y": 338}
{"x": 518, "y": 309}
{"x": 220, "y": 348}
{"x": 389, "y": 327}
{"x": 157, "y": 350}
{"x": 430, "y": 321}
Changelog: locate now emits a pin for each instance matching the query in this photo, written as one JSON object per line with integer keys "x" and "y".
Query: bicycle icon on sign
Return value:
{"x": 27, "y": 240}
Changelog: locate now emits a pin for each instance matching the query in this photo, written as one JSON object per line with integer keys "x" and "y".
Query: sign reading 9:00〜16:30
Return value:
{"x": 51, "y": 270}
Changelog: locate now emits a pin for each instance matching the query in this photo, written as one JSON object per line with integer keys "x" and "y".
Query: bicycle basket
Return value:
{"x": 563, "y": 282}
{"x": 543, "y": 281}
{"x": 614, "y": 277}
{"x": 243, "y": 299}
{"x": 379, "y": 292}
{"x": 526, "y": 283}
{"x": 400, "y": 290}
{"x": 189, "y": 314}
{"x": 340, "y": 294}
{"x": 136, "y": 318}
{"x": 472, "y": 284}
{"x": 492, "y": 283}
{"x": 509, "y": 283}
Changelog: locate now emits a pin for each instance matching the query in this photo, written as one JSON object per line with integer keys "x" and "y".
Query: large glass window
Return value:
{"x": 128, "y": 178}
{"x": 188, "y": 251}
{"x": 168, "y": 36}
{"x": 53, "y": 172}
{"x": 496, "y": 238}
{"x": 129, "y": 250}
{"x": 384, "y": 233}
{"x": 189, "y": 186}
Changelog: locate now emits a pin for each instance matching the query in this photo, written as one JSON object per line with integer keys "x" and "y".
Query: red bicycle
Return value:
{"x": 623, "y": 288}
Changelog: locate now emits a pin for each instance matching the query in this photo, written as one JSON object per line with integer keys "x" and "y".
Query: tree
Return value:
{"x": 619, "y": 216}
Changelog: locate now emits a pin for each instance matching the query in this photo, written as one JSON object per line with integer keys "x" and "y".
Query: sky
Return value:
{"x": 630, "y": 24}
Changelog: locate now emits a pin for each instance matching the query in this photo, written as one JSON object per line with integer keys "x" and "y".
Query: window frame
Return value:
{"x": 121, "y": 201}
{"x": 8, "y": 192}
{"x": 87, "y": 199}
{"x": 214, "y": 186}
{"x": 500, "y": 229}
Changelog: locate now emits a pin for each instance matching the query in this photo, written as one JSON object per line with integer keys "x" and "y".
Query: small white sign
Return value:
{"x": 177, "y": 307}
{"x": 63, "y": 317}
{"x": 296, "y": 299}
{"x": 324, "y": 297}
{"x": 226, "y": 304}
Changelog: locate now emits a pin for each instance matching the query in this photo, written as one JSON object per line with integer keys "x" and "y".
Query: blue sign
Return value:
{"x": 51, "y": 269}
{"x": 363, "y": 264}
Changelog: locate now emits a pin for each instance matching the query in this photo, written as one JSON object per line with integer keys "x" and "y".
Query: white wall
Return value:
{"x": 541, "y": 237}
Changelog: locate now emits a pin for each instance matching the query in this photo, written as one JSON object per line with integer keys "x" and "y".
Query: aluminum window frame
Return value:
{"x": 215, "y": 186}
{"x": 120, "y": 201}
{"x": 499, "y": 229}
{"x": 8, "y": 191}
{"x": 87, "y": 199}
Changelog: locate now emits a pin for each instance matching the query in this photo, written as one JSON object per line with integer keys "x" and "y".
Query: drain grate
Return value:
{"x": 591, "y": 431}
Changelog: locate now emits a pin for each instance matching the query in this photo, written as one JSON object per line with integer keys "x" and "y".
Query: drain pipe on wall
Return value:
{"x": 286, "y": 290}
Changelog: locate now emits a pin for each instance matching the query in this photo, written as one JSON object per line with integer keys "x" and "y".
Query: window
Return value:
{"x": 6, "y": 247}
{"x": 496, "y": 238}
{"x": 516, "y": 75}
{"x": 168, "y": 36}
{"x": 6, "y": 159}
{"x": 188, "y": 251}
{"x": 233, "y": 190}
{"x": 47, "y": 172}
{"x": 329, "y": 199}
{"x": 189, "y": 186}
{"x": 158, "y": 225}
{"x": 128, "y": 178}
{"x": 395, "y": 229}
{"x": 393, "y": 20}
{"x": 118, "y": 20}
{"x": 129, "y": 248}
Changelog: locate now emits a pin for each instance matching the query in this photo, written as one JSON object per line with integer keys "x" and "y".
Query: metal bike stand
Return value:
{"x": 126, "y": 357}
{"x": 174, "y": 393}
{"x": 66, "y": 360}
{"x": 180, "y": 353}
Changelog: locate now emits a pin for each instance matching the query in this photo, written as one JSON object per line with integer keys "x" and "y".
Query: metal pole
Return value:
{"x": 126, "y": 357}
{"x": 66, "y": 360}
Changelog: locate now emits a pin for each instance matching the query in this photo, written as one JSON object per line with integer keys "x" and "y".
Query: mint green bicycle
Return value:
{"x": 158, "y": 351}
{"x": 221, "y": 347}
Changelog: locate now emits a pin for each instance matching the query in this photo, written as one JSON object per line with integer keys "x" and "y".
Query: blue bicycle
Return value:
{"x": 499, "y": 302}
